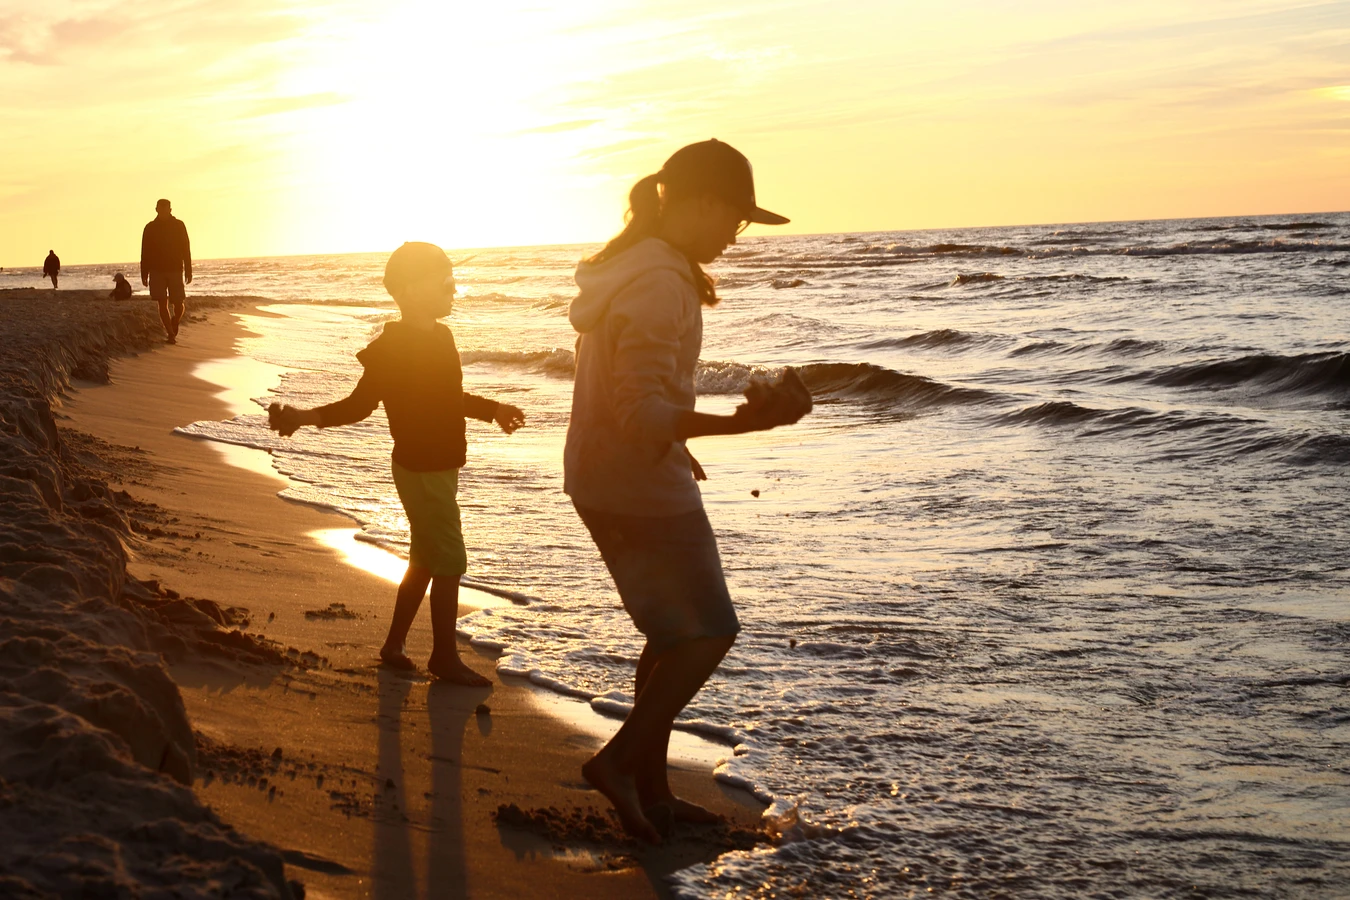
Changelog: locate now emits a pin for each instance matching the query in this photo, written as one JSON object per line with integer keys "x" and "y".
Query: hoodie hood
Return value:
{"x": 600, "y": 283}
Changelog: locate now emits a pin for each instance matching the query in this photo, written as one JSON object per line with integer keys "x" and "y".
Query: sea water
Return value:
{"x": 1048, "y": 597}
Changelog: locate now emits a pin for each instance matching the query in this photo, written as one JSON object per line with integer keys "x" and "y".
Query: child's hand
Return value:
{"x": 508, "y": 417}
{"x": 284, "y": 420}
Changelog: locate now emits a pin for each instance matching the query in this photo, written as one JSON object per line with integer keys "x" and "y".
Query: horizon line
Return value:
{"x": 564, "y": 244}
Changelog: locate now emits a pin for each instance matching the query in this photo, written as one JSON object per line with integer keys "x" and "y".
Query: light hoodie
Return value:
{"x": 641, "y": 328}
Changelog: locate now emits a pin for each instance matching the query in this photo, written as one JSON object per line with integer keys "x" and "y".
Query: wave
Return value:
{"x": 1090, "y": 279}
{"x": 1134, "y": 347}
{"x": 889, "y": 255}
{"x": 1308, "y": 373}
{"x": 1200, "y": 248}
{"x": 1224, "y": 436}
{"x": 865, "y": 381}
{"x": 979, "y": 278}
{"x": 830, "y": 382}
{"x": 1036, "y": 347}
{"x": 942, "y": 337}
{"x": 557, "y": 362}
{"x": 1298, "y": 226}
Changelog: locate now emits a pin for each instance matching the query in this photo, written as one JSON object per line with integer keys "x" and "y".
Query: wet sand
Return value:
{"x": 370, "y": 782}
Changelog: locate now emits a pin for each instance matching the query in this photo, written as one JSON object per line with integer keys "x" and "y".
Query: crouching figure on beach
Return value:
{"x": 121, "y": 288}
{"x": 626, "y": 468}
{"x": 414, "y": 368}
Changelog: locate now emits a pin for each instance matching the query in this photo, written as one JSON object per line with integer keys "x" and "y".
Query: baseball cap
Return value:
{"x": 723, "y": 171}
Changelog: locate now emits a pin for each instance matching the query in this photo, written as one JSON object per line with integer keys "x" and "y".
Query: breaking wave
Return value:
{"x": 557, "y": 362}
{"x": 864, "y": 381}
{"x": 1309, "y": 373}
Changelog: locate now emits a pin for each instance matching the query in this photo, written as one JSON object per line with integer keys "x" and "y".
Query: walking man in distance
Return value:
{"x": 166, "y": 265}
{"x": 51, "y": 267}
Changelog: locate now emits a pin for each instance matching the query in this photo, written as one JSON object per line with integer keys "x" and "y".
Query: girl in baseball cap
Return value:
{"x": 626, "y": 468}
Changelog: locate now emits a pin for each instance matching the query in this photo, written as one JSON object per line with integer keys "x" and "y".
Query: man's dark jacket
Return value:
{"x": 164, "y": 247}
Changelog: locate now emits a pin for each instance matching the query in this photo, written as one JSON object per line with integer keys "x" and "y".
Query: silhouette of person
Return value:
{"x": 166, "y": 264}
{"x": 121, "y": 288}
{"x": 51, "y": 267}
{"x": 626, "y": 467}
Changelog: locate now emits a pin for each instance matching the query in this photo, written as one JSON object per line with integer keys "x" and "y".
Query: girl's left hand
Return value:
{"x": 699, "y": 474}
{"x": 508, "y": 417}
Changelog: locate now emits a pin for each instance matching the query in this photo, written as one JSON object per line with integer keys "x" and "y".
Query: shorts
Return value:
{"x": 433, "y": 517}
{"x": 668, "y": 574}
{"x": 165, "y": 287}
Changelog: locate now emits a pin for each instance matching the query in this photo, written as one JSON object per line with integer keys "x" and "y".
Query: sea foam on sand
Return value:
{"x": 96, "y": 751}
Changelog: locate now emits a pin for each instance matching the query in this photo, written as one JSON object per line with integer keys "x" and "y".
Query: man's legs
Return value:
{"x": 674, "y": 678}
{"x": 159, "y": 292}
{"x": 165, "y": 319}
{"x": 178, "y": 299}
{"x": 179, "y": 308}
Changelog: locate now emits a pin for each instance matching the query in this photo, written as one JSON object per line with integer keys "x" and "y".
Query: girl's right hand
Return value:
{"x": 769, "y": 405}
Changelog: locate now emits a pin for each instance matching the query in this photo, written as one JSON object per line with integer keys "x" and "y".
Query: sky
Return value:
{"x": 283, "y": 127}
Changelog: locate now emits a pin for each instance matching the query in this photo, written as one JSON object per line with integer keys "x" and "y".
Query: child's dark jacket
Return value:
{"x": 417, "y": 375}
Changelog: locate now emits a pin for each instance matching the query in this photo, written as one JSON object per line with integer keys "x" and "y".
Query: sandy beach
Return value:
{"x": 366, "y": 783}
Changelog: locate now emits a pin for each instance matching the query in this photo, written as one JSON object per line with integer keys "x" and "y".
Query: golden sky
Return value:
{"x": 279, "y": 126}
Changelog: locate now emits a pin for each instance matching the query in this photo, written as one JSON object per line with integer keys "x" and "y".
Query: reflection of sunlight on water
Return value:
{"x": 383, "y": 564}
{"x": 258, "y": 461}
{"x": 241, "y": 380}
{"x": 368, "y": 557}
{"x": 684, "y": 745}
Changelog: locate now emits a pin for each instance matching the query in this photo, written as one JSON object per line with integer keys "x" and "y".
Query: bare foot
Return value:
{"x": 455, "y": 671}
{"x": 397, "y": 659}
{"x": 679, "y": 810}
{"x": 691, "y": 812}
{"x": 621, "y": 791}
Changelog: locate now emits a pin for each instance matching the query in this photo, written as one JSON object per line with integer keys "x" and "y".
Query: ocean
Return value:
{"x": 1048, "y": 597}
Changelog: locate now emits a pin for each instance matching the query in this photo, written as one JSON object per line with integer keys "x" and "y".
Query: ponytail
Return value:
{"x": 643, "y": 220}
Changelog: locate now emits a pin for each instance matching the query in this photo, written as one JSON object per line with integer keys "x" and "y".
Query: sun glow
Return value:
{"x": 296, "y": 126}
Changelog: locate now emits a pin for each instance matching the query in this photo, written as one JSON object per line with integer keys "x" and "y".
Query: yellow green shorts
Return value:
{"x": 433, "y": 517}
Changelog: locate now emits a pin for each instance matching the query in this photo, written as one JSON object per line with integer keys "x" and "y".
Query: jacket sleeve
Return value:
{"x": 145, "y": 252}
{"x": 187, "y": 248}
{"x": 647, "y": 320}
{"x": 479, "y": 407}
{"x": 352, "y": 408}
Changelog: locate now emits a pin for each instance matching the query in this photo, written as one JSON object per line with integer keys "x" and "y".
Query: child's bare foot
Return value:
{"x": 395, "y": 658}
{"x": 454, "y": 670}
{"x": 621, "y": 791}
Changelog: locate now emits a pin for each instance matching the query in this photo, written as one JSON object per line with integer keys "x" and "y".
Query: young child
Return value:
{"x": 413, "y": 368}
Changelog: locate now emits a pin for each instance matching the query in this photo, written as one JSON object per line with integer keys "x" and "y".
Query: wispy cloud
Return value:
{"x": 271, "y": 106}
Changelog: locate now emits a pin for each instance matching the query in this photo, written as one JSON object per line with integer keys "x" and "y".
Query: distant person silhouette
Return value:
{"x": 121, "y": 288}
{"x": 51, "y": 267}
{"x": 166, "y": 264}
{"x": 626, "y": 466}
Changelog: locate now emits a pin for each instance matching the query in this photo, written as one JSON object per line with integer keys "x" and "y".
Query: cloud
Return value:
{"x": 557, "y": 127}
{"x": 274, "y": 105}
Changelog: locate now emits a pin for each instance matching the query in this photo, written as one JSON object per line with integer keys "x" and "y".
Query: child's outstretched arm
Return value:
{"x": 286, "y": 420}
{"x": 507, "y": 417}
